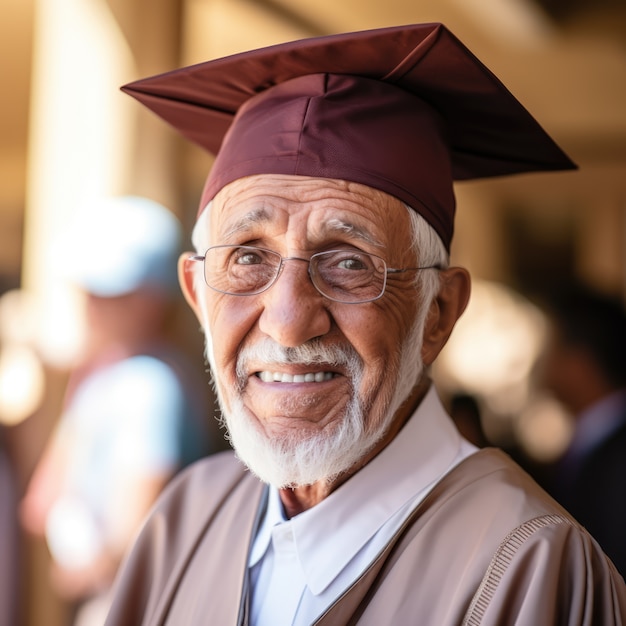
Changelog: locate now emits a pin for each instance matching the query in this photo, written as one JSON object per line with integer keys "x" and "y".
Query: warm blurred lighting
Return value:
{"x": 544, "y": 429}
{"x": 22, "y": 384}
{"x": 22, "y": 379}
{"x": 60, "y": 331}
{"x": 79, "y": 147}
{"x": 494, "y": 347}
{"x": 51, "y": 327}
{"x": 519, "y": 21}
{"x": 221, "y": 27}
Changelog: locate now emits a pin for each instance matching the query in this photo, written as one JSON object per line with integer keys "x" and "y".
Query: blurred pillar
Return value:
{"x": 86, "y": 139}
{"x": 79, "y": 130}
{"x": 152, "y": 32}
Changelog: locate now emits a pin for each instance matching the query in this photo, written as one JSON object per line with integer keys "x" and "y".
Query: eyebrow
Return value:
{"x": 247, "y": 221}
{"x": 348, "y": 228}
{"x": 335, "y": 225}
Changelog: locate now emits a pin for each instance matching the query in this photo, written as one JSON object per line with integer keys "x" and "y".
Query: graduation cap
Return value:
{"x": 405, "y": 109}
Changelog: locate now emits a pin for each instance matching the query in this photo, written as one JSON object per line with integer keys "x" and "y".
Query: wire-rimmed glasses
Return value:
{"x": 348, "y": 276}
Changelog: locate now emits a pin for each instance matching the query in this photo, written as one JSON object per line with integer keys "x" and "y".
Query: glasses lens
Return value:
{"x": 240, "y": 270}
{"x": 349, "y": 275}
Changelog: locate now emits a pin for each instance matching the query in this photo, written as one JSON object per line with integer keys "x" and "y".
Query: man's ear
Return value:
{"x": 445, "y": 310}
{"x": 187, "y": 276}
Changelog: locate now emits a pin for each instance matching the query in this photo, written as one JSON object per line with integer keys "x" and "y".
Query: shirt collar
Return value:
{"x": 331, "y": 533}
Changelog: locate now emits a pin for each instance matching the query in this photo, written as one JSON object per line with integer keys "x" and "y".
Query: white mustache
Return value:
{"x": 314, "y": 352}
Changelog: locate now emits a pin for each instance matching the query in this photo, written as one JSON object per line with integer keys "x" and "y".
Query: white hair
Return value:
{"x": 200, "y": 235}
{"x": 429, "y": 251}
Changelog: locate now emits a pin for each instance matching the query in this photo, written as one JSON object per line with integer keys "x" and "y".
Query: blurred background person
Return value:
{"x": 133, "y": 415}
{"x": 584, "y": 366}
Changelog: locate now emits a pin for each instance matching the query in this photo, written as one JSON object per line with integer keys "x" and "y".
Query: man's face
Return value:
{"x": 265, "y": 348}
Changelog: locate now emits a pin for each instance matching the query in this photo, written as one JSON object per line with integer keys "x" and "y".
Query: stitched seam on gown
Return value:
{"x": 501, "y": 561}
{"x": 412, "y": 525}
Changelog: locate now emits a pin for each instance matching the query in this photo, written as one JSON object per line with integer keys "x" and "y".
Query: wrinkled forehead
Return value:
{"x": 327, "y": 207}
{"x": 301, "y": 190}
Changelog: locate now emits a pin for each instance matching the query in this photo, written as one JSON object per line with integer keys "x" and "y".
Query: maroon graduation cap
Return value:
{"x": 406, "y": 110}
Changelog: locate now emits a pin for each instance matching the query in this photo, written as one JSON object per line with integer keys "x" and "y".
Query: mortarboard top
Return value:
{"x": 405, "y": 109}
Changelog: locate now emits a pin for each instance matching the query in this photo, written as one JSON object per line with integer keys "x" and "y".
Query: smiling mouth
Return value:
{"x": 282, "y": 377}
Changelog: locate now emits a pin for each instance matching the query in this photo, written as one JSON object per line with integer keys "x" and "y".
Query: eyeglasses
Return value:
{"x": 348, "y": 276}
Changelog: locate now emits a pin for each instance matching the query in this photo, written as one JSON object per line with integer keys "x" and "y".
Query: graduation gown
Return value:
{"x": 487, "y": 546}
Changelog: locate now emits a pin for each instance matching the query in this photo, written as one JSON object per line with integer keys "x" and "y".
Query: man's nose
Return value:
{"x": 294, "y": 311}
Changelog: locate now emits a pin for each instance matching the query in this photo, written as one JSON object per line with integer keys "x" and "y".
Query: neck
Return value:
{"x": 298, "y": 499}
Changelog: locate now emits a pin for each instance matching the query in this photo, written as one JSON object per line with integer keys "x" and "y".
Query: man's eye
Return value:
{"x": 249, "y": 258}
{"x": 352, "y": 263}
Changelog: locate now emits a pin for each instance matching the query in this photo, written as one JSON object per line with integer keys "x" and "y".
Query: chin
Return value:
{"x": 297, "y": 460}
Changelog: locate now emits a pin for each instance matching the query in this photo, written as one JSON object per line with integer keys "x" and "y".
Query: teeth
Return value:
{"x": 280, "y": 377}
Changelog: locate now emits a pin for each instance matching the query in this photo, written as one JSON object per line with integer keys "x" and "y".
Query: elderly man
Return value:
{"x": 321, "y": 280}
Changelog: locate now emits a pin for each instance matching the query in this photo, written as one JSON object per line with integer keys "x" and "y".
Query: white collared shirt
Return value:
{"x": 298, "y": 567}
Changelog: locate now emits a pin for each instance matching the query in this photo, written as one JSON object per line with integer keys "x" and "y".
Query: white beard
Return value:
{"x": 299, "y": 459}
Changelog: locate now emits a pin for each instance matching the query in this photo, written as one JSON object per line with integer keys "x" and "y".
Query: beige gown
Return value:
{"x": 487, "y": 546}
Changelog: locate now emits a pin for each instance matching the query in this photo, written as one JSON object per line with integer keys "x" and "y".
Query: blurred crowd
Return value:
{"x": 134, "y": 411}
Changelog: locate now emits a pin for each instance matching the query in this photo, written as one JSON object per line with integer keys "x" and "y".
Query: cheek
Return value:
{"x": 229, "y": 320}
{"x": 378, "y": 330}
{"x": 396, "y": 314}
{"x": 401, "y": 302}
